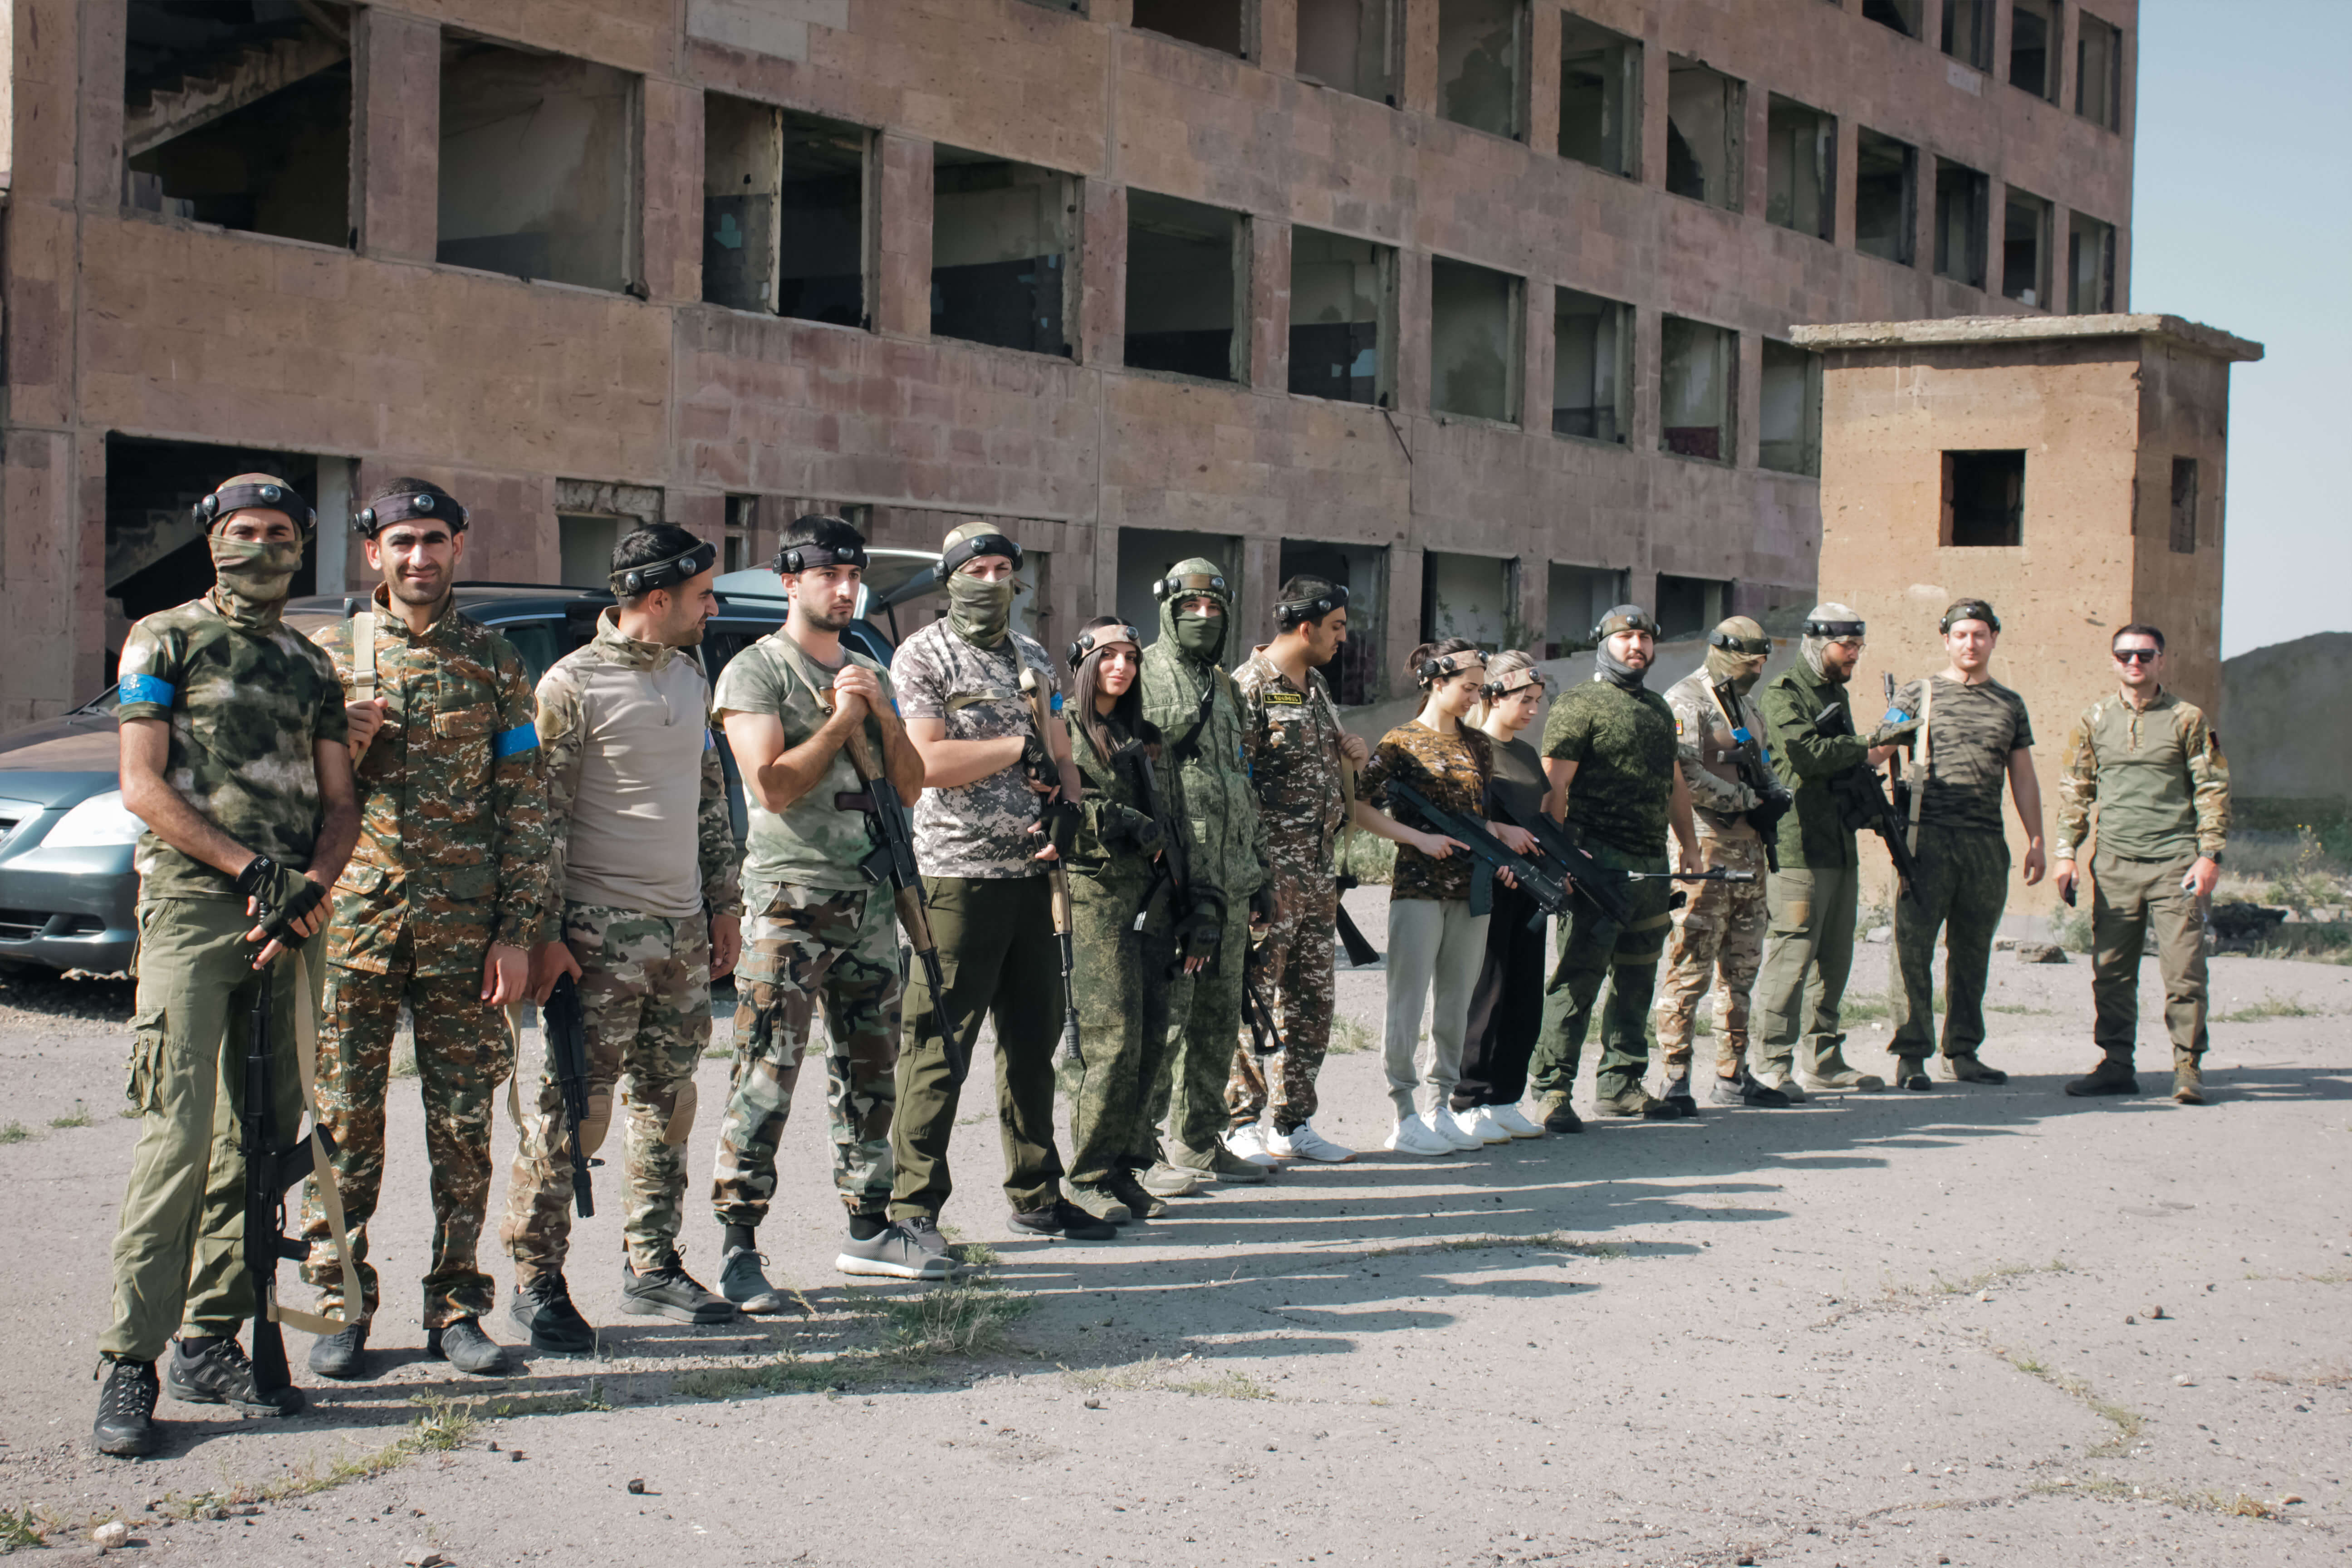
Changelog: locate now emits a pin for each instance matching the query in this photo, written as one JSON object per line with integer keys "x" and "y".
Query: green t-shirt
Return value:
{"x": 1971, "y": 732}
{"x": 812, "y": 843}
{"x": 1622, "y": 743}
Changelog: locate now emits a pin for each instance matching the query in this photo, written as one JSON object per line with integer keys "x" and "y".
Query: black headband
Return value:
{"x": 266, "y": 497}
{"x": 1627, "y": 618}
{"x": 1832, "y": 630}
{"x": 1296, "y": 612}
{"x": 953, "y": 558}
{"x": 1100, "y": 637}
{"x": 1430, "y": 671}
{"x": 1968, "y": 610}
{"x": 1191, "y": 582}
{"x": 629, "y": 582}
{"x": 437, "y": 505}
{"x": 794, "y": 559}
{"x": 1748, "y": 646}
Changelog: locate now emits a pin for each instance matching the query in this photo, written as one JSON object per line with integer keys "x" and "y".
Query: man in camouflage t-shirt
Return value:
{"x": 989, "y": 777}
{"x": 1973, "y": 736}
{"x": 234, "y": 755}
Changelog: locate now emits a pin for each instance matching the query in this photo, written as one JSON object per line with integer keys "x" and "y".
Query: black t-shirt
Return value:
{"x": 1516, "y": 792}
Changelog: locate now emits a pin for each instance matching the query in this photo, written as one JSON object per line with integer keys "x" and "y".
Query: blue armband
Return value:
{"x": 1057, "y": 705}
{"x": 145, "y": 688}
{"x": 521, "y": 738}
{"x": 1896, "y": 716}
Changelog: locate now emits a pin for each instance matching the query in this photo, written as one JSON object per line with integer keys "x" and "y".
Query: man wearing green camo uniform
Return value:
{"x": 2153, "y": 768}
{"x": 1191, "y": 700}
{"x": 234, "y": 756}
{"x": 1296, "y": 753}
{"x": 1973, "y": 735}
{"x": 643, "y": 858}
{"x": 1815, "y": 893}
{"x": 820, "y": 931}
{"x": 1608, "y": 753}
{"x": 1721, "y": 931}
{"x": 436, "y": 912}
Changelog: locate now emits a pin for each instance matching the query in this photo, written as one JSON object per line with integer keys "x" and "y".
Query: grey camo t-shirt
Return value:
{"x": 1971, "y": 732}
{"x": 980, "y": 829}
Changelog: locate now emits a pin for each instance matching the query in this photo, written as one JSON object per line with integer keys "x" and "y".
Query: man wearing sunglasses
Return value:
{"x": 2153, "y": 767}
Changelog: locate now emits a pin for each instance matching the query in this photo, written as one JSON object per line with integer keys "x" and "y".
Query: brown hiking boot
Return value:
{"x": 2187, "y": 1078}
{"x": 1965, "y": 1069}
{"x": 2112, "y": 1076}
{"x": 1557, "y": 1113}
{"x": 1829, "y": 1073}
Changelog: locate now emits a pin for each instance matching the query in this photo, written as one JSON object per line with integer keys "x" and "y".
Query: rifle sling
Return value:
{"x": 322, "y": 1175}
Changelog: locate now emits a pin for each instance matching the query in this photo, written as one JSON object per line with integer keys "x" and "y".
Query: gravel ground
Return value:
{"x": 1878, "y": 1329}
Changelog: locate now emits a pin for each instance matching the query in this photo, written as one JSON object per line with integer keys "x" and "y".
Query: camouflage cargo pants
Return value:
{"x": 1204, "y": 1019}
{"x": 1719, "y": 941}
{"x": 1123, "y": 994}
{"x": 1293, "y": 975}
{"x": 1593, "y": 948}
{"x": 813, "y": 945}
{"x": 1961, "y": 888}
{"x": 464, "y": 1052}
{"x": 645, "y": 988}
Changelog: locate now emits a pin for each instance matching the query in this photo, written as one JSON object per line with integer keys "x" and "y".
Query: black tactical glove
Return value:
{"x": 1123, "y": 825}
{"x": 1060, "y": 821}
{"x": 1201, "y": 929}
{"x": 1038, "y": 762}
{"x": 1766, "y": 813}
{"x": 279, "y": 897}
{"x": 1263, "y": 904}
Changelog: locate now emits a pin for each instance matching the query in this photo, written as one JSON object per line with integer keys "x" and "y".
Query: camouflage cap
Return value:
{"x": 1625, "y": 619}
{"x": 1740, "y": 635}
{"x": 1968, "y": 610}
{"x": 969, "y": 541}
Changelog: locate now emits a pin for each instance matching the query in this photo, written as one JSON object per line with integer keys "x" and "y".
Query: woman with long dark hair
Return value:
{"x": 1506, "y": 1005}
{"x": 1122, "y": 924}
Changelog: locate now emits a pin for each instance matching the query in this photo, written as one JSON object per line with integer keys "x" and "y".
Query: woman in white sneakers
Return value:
{"x": 1507, "y": 1006}
{"x": 1436, "y": 946}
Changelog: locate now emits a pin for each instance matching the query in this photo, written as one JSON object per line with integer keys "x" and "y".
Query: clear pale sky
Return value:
{"x": 2243, "y": 220}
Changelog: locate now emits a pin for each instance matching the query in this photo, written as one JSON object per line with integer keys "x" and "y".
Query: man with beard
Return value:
{"x": 234, "y": 755}
{"x": 1609, "y": 753}
{"x": 1195, "y": 705}
{"x": 435, "y": 914}
{"x": 1815, "y": 893}
{"x": 1296, "y": 751}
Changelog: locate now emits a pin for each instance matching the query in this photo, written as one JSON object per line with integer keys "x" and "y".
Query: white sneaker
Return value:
{"x": 1302, "y": 1142}
{"x": 1480, "y": 1123}
{"x": 1508, "y": 1118}
{"x": 1455, "y": 1129}
{"x": 1249, "y": 1143}
{"x": 1412, "y": 1135}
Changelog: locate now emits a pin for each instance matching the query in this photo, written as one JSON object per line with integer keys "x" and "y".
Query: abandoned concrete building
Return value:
{"x": 1485, "y": 307}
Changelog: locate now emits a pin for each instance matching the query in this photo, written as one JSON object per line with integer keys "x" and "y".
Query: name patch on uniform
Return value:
{"x": 521, "y": 738}
{"x": 1283, "y": 698}
{"x": 145, "y": 688}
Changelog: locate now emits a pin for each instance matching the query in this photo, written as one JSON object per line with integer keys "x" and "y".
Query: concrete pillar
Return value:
{"x": 1102, "y": 276}
{"x": 903, "y": 289}
{"x": 98, "y": 166}
{"x": 1261, "y": 567}
{"x": 38, "y": 496}
{"x": 1417, "y": 88}
{"x": 1542, "y": 108}
{"x": 1530, "y": 577}
{"x": 1400, "y": 630}
{"x": 670, "y": 214}
{"x": 1536, "y": 355}
{"x": 397, "y": 134}
{"x": 1413, "y": 336}
{"x": 1277, "y": 50}
{"x": 1269, "y": 304}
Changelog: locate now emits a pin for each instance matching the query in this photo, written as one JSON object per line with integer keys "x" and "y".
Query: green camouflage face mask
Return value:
{"x": 253, "y": 577}
{"x": 980, "y": 612}
{"x": 1200, "y": 636}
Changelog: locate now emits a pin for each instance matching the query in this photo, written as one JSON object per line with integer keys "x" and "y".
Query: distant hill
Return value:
{"x": 2285, "y": 726}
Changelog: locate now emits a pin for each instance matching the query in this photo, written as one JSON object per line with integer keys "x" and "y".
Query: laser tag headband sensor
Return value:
{"x": 953, "y": 558}
{"x": 1517, "y": 680}
{"x": 1625, "y": 619}
{"x": 1748, "y": 646}
{"x": 1298, "y": 612}
{"x": 794, "y": 559}
{"x": 1430, "y": 671}
{"x": 436, "y": 506}
{"x": 268, "y": 496}
{"x": 1968, "y": 610}
{"x": 1099, "y": 638}
{"x": 640, "y": 580}
{"x": 1834, "y": 631}
{"x": 1173, "y": 587}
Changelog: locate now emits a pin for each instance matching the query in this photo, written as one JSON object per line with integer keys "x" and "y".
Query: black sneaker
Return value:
{"x": 544, "y": 1310}
{"x": 125, "y": 1426}
{"x": 669, "y": 1292}
{"x": 341, "y": 1357}
{"x": 1065, "y": 1219}
{"x": 220, "y": 1374}
{"x": 464, "y": 1346}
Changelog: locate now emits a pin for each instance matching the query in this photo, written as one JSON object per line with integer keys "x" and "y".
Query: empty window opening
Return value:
{"x": 1696, "y": 365}
{"x": 1705, "y": 112}
{"x": 1468, "y": 596}
{"x": 156, "y": 556}
{"x": 1348, "y": 45}
{"x": 2098, "y": 73}
{"x": 1576, "y": 598}
{"x": 1788, "y": 410}
{"x": 1220, "y": 25}
{"x": 240, "y": 116}
{"x": 1902, "y": 15}
{"x": 1480, "y": 46}
{"x": 1600, "y": 97}
{"x": 768, "y": 173}
{"x": 1801, "y": 161}
{"x": 1968, "y": 32}
{"x": 1362, "y": 569}
{"x": 1187, "y": 277}
{"x": 1961, "y": 198}
{"x": 2184, "y": 506}
{"x": 2090, "y": 266}
{"x": 2033, "y": 48}
{"x": 1689, "y": 606}
{"x": 537, "y": 164}
{"x": 2025, "y": 249}
{"x": 1591, "y": 365}
{"x": 590, "y": 518}
{"x": 1340, "y": 290}
{"x": 1002, "y": 245}
{"x": 1984, "y": 500}
{"x": 1474, "y": 340}
{"x": 1886, "y": 197}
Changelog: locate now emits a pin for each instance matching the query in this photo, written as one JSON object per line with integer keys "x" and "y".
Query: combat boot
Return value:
{"x": 2112, "y": 1076}
{"x": 544, "y": 1310}
{"x": 1635, "y": 1100}
{"x": 1139, "y": 1202}
{"x": 125, "y": 1426}
{"x": 464, "y": 1346}
{"x": 1100, "y": 1202}
{"x": 667, "y": 1291}
{"x": 1911, "y": 1072}
{"x": 2188, "y": 1077}
{"x": 1965, "y": 1068}
{"x": 1557, "y": 1113}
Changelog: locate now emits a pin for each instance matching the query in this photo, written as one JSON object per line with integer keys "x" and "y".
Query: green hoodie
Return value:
{"x": 1224, "y": 832}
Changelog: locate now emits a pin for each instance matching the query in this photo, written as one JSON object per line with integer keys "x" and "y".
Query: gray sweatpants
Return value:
{"x": 1435, "y": 945}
